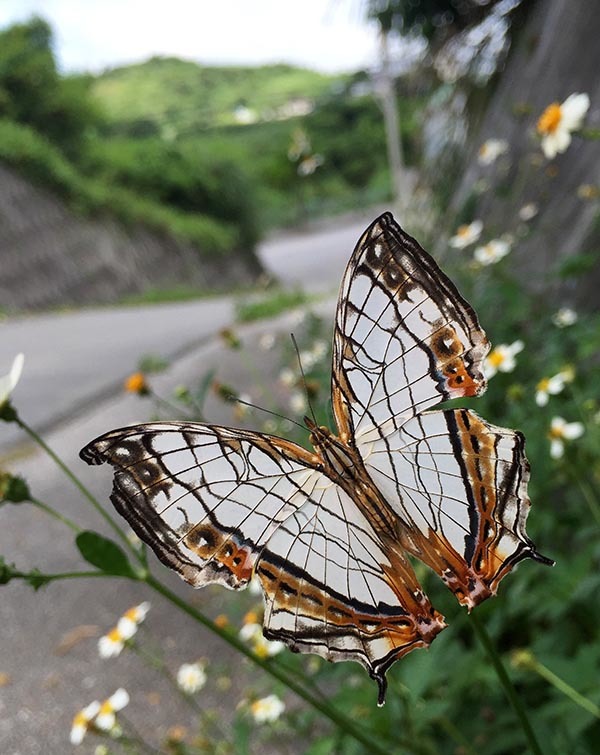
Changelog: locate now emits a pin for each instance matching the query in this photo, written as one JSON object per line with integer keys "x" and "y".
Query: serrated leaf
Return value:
{"x": 104, "y": 554}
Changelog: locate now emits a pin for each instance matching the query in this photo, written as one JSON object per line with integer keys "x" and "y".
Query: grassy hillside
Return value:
{"x": 182, "y": 95}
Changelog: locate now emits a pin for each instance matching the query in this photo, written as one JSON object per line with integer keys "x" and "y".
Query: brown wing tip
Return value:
{"x": 535, "y": 556}
{"x": 381, "y": 687}
{"x": 92, "y": 453}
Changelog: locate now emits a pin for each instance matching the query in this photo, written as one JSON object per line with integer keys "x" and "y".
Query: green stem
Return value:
{"x": 52, "y": 512}
{"x": 136, "y": 739}
{"x": 171, "y": 407}
{"x": 563, "y": 687}
{"x": 455, "y": 734}
{"x": 78, "y": 484}
{"x": 343, "y": 723}
{"x": 507, "y": 685}
{"x": 590, "y": 133}
{"x": 590, "y": 499}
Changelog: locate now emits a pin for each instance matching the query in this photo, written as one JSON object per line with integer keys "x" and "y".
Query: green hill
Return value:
{"x": 174, "y": 96}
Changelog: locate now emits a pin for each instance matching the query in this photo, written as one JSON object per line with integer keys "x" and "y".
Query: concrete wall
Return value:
{"x": 556, "y": 54}
{"x": 51, "y": 257}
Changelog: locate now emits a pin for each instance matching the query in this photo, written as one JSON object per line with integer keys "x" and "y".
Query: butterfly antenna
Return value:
{"x": 293, "y": 337}
{"x": 268, "y": 411}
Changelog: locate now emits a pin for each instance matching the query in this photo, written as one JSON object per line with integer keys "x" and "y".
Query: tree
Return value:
{"x": 32, "y": 91}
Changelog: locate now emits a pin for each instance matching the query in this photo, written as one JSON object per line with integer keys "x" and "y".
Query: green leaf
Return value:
{"x": 104, "y": 554}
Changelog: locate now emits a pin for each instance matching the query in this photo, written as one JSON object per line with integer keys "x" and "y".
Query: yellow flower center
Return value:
{"x": 105, "y": 708}
{"x": 250, "y": 618}
{"x": 496, "y": 358}
{"x": 556, "y": 433}
{"x": 80, "y": 719}
{"x": 543, "y": 385}
{"x": 463, "y": 231}
{"x": 114, "y": 635}
{"x": 136, "y": 383}
{"x": 221, "y": 621}
{"x": 549, "y": 119}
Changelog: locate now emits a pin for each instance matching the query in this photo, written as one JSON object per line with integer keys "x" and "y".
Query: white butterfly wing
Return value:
{"x": 217, "y": 504}
{"x": 205, "y": 498}
{"x": 459, "y": 485}
{"x": 332, "y": 587}
{"x": 404, "y": 340}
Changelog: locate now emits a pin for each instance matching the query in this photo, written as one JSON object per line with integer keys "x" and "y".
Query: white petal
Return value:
{"x": 77, "y": 734}
{"x": 548, "y": 146}
{"x": 109, "y": 648}
{"x": 541, "y": 398}
{"x": 119, "y": 699}
{"x": 556, "y": 448}
{"x": 573, "y": 430}
{"x": 574, "y": 110}
{"x": 106, "y": 721}
{"x": 9, "y": 382}
{"x": 126, "y": 627}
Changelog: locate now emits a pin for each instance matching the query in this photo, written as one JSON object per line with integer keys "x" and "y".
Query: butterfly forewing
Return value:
{"x": 206, "y": 498}
{"x": 404, "y": 337}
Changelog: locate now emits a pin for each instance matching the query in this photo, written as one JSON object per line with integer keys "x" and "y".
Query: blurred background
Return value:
{"x": 181, "y": 185}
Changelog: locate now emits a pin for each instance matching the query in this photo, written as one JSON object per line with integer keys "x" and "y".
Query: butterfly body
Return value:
{"x": 327, "y": 532}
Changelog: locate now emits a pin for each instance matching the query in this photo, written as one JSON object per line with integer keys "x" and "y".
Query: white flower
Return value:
{"x": 491, "y": 150}
{"x": 466, "y": 235}
{"x": 241, "y": 408}
{"x": 551, "y": 386}
{"x": 191, "y": 677}
{"x": 557, "y": 123}
{"x": 528, "y": 211}
{"x": 492, "y": 252}
{"x": 113, "y": 642}
{"x": 309, "y": 165}
{"x": 255, "y": 586}
{"x": 561, "y": 430}
{"x": 297, "y": 402}
{"x": 9, "y": 382}
{"x": 502, "y": 358}
{"x": 319, "y": 350}
{"x": 564, "y": 317}
{"x": 266, "y": 341}
{"x": 267, "y": 709}
{"x": 81, "y": 722}
{"x": 138, "y": 613}
{"x": 252, "y": 633}
{"x": 287, "y": 377}
{"x": 106, "y": 719}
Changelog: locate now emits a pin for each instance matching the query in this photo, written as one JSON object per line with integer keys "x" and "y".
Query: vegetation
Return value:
{"x": 203, "y": 153}
{"x": 176, "y": 97}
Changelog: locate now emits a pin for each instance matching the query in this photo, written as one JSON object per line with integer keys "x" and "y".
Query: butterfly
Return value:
{"x": 329, "y": 532}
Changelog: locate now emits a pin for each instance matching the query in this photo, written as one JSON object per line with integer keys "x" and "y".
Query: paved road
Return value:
{"x": 74, "y": 357}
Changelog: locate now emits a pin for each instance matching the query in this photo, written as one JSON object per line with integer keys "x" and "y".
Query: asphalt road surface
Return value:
{"x": 72, "y": 358}
{"x": 75, "y": 362}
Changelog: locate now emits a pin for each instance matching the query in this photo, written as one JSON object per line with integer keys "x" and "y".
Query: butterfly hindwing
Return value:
{"x": 459, "y": 485}
{"x": 332, "y": 587}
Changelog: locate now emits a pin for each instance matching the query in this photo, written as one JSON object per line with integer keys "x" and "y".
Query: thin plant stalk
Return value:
{"x": 78, "y": 484}
{"x": 563, "y": 687}
{"x": 507, "y": 685}
{"x": 52, "y": 512}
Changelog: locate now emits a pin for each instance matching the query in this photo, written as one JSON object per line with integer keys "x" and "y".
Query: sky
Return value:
{"x": 91, "y": 35}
